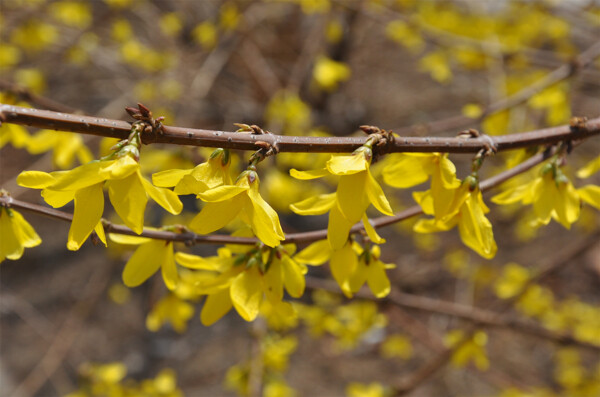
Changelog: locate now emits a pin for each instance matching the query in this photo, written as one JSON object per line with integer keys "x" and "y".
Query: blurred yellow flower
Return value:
{"x": 17, "y": 234}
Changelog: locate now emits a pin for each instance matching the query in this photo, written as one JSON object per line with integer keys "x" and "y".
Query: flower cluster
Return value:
{"x": 120, "y": 172}
{"x": 357, "y": 189}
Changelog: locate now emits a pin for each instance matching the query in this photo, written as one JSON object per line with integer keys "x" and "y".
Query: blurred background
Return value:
{"x": 301, "y": 67}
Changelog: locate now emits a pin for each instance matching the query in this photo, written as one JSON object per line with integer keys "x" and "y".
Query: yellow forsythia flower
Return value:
{"x": 170, "y": 309}
{"x": 397, "y": 346}
{"x": 226, "y": 202}
{"x": 242, "y": 280}
{"x": 467, "y": 210}
{"x": 205, "y": 34}
{"x": 208, "y": 175}
{"x": 356, "y": 190}
{"x": 65, "y": 145}
{"x": 17, "y": 234}
{"x": 328, "y": 74}
{"x": 150, "y": 256}
{"x": 551, "y": 194}
{"x": 128, "y": 191}
{"x": 472, "y": 350}
{"x": 14, "y": 134}
{"x": 72, "y": 13}
{"x": 410, "y": 169}
{"x": 355, "y": 389}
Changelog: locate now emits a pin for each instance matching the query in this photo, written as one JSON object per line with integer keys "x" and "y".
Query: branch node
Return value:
{"x": 489, "y": 145}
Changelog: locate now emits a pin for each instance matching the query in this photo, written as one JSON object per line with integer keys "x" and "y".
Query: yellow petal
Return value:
{"x": 544, "y": 194}
{"x": 358, "y": 277}
{"x": 169, "y": 178}
{"x": 475, "y": 229}
{"x": 425, "y": 201}
{"x": 512, "y": 195}
{"x": 10, "y": 247}
{"x": 307, "y": 175}
{"x": 99, "y": 229}
{"x": 590, "y": 194}
{"x": 168, "y": 267}
{"x": 129, "y": 240}
{"x": 378, "y": 280}
{"x": 35, "y": 179}
{"x": 57, "y": 198}
{"x": 89, "y": 206}
{"x": 338, "y": 228}
{"x": 272, "y": 282}
{"x": 145, "y": 261}
{"x": 246, "y": 293}
{"x": 264, "y": 220}
{"x": 315, "y": 205}
{"x": 567, "y": 205}
{"x": 347, "y": 165}
{"x": 120, "y": 168}
{"x": 376, "y": 196}
{"x": 293, "y": 277}
{"x": 315, "y": 254}
{"x": 351, "y": 196}
{"x": 129, "y": 199}
{"x": 221, "y": 193}
{"x": 163, "y": 197}
{"x": 215, "y": 307}
{"x": 407, "y": 170}
{"x": 83, "y": 176}
{"x": 196, "y": 262}
{"x": 447, "y": 172}
{"x": 589, "y": 169}
{"x": 343, "y": 263}
{"x": 189, "y": 185}
{"x": 371, "y": 231}
{"x": 24, "y": 231}
{"x": 214, "y": 216}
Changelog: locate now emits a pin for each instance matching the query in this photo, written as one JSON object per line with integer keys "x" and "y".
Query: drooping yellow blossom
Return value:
{"x": 471, "y": 350}
{"x": 208, "y": 175}
{"x": 17, "y": 234}
{"x": 374, "y": 389}
{"x": 356, "y": 190}
{"x": 351, "y": 266}
{"x": 65, "y": 145}
{"x": 14, "y": 134}
{"x": 226, "y": 202}
{"x": 514, "y": 278}
{"x": 244, "y": 278}
{"x": 397, "y": 345}
{"x": 328, "y": 74}
{"x": 170, "y": 309}
{"x": 465, "y": 209}
{"x": 552, "y": 195}
{"x": 72, "y": 13}
{"x": 205, "y": 34}
{"x": 150, "y": 256}
{"x": 128, "y": 191}
{"x": 410, "y": 169}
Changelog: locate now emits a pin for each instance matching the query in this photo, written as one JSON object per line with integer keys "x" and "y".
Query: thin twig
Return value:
{"x": 232, "y": 140}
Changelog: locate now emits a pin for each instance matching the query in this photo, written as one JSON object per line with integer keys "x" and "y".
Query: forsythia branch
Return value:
{"x": 231, "y": 140}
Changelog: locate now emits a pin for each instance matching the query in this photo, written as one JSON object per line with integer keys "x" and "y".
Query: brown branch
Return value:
{"x": 476, "y": 315}
{"x": 232, "y": 140}
{"x": 295, "y": 238}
